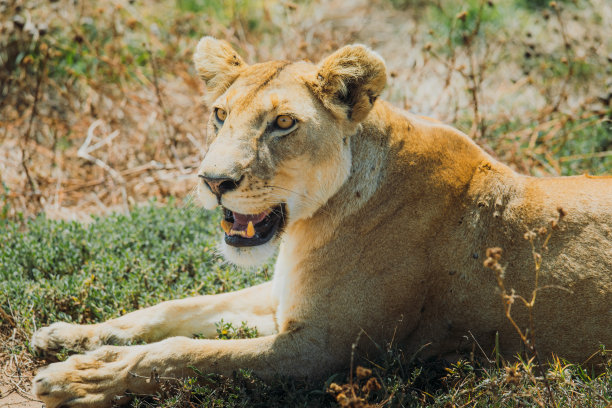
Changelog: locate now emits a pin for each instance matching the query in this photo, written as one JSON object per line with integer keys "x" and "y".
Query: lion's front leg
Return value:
{"x": 183, "y": 317}
{"x": 99, "y": 378}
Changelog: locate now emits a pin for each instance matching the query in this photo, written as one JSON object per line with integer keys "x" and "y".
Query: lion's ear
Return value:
{"x": 349, "y": 81}
{"x": 217, "y": 64}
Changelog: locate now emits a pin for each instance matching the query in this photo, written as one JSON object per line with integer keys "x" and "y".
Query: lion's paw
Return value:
{"x": 77, "y": 337}
{"x": 62, "y": 335}
{"x": 96, "y": 379}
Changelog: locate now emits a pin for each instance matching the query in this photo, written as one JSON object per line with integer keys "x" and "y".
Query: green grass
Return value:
{"x": 582, "y": 145}
{"x": 59, "y": 270}
{"x": 66, "y": 271}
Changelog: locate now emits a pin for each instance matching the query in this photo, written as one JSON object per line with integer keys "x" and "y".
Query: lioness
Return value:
{"x": 383, "y": 219}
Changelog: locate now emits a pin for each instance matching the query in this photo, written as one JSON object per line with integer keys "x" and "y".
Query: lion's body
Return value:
{"x": 469, "y": 203}
{"x": 389, "y": 217}
{"x": 409, "y": 261}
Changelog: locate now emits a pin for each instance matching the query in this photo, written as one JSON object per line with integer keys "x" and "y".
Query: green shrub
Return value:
{"x": 60, "y": 270}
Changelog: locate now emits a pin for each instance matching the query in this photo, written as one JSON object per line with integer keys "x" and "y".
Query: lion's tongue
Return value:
{"x": 242, "y": 220}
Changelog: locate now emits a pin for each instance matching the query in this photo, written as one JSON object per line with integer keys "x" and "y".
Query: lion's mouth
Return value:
{"x": 243, "y": 230}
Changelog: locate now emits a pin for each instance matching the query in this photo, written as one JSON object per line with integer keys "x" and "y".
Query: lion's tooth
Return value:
{"x": 250, "y": 231}
{"x": 226, "y": 225}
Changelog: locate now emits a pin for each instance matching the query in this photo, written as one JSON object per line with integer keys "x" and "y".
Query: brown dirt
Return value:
{"x": 10, "y": 397}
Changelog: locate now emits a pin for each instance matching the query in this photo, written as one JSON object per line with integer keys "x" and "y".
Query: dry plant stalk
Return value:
{"x": 85, "y": 151}
{"x": 568, "y": 57}
{"x": 509, "y": 297}
{"x": 475, "y": 76}
{"x": 25, "y": 155}
{"x": 474, "y": 73}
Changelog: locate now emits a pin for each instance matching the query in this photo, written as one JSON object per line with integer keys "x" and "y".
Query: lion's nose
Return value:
{"x": 220, "y": 185}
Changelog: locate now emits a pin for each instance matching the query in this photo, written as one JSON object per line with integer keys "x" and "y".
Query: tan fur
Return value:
{"x": 220, "y": 66}
{"x": 389, "y": 216}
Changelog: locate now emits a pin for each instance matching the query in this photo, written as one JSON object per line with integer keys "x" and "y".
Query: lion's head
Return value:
{"x": 279, "y": 138}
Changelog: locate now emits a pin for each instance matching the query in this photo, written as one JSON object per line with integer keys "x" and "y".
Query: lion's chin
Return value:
{"x": 249, "y": 257}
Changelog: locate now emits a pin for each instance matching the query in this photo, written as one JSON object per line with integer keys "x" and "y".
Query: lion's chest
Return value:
{"x": 280, "y": 284}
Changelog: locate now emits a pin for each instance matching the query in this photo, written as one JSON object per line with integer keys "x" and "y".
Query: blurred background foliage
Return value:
{"x": 100, "y": 108}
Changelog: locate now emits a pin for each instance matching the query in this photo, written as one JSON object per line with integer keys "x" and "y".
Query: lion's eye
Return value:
{"x": 284, "y": 121}
{"x": 220, "y": 114}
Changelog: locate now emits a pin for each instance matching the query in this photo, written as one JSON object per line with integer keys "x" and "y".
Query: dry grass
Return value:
{"x": 101, "y": 108}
